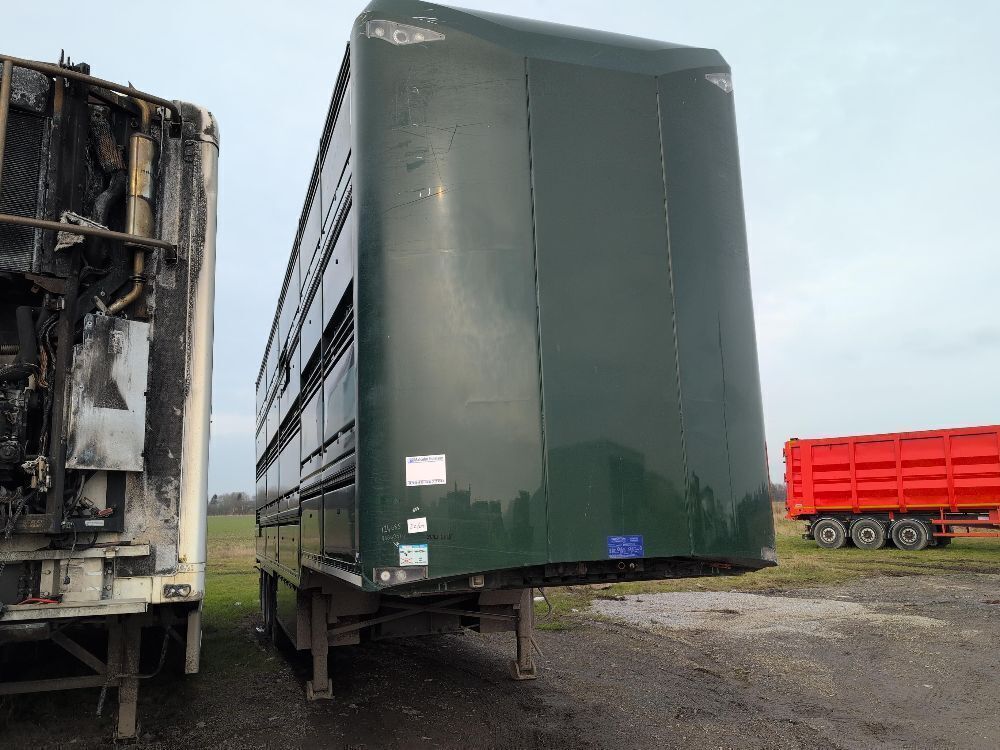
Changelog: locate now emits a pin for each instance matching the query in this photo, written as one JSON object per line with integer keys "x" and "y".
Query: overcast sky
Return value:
{"x": 868, "y": 141}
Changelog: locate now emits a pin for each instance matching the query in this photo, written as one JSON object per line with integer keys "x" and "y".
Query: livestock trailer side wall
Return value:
{"x": 306, "y": 387}
{"x": 948, "y": 478}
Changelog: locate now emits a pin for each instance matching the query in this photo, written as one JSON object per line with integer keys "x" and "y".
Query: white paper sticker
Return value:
{"x": 416, "y": 525}
{"x": 425, "y": 470}
{"x": 94, "y": 522}
{"x": 412, "y": 554}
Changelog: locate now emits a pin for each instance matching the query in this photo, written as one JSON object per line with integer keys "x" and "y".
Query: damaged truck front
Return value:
{"x": 107, "y": 244}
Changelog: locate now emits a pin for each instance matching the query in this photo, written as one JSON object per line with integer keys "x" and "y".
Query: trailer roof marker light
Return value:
{"x": 400, "y": 33}
{"x": 723, "y": 80}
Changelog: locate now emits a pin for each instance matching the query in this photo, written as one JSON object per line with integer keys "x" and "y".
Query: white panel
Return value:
{"x": 107, "y": 418}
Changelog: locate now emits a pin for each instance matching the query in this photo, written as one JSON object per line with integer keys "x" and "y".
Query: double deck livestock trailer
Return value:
{"x": 514, "y": 346}
{"x": 107, "y": 247}
{"x": 914, "y": 489}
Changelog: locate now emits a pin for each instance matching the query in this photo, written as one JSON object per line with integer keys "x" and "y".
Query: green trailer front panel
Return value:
{"x": 446, "y": 305}
{"x": 612, "y": 423}
{"x": 555, "y": 340}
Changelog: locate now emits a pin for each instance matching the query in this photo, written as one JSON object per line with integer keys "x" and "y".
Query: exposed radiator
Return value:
{"x": 20, "y": 191}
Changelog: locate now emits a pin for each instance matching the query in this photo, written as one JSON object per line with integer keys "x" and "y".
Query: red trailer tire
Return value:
{"x": 910, "y": 534}
{"x": 829, "y": 533}
{"x": 868, "y": 533}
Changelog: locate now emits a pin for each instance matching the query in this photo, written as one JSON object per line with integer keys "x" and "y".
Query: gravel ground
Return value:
{"x": 737, "y": 614}
{"x": 889, "y": 662}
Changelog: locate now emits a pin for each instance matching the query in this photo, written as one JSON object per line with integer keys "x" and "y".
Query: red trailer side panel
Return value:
{"x": 947, "y": 470}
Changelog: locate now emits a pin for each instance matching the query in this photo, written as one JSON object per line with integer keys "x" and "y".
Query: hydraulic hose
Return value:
{"x": 26, "y": 337}
{"x": 111, "y": 195}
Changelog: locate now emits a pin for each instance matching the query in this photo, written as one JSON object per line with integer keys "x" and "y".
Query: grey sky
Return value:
{"x": 867, "y": 134}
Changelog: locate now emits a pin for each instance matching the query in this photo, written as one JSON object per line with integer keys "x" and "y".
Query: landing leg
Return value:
{"x": 320, "y": 686}
{"x": 523, "y": 667}
{"x": 128, "y": 688}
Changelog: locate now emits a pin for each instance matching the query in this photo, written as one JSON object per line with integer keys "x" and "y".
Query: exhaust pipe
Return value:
{"x": 139, "y": 217}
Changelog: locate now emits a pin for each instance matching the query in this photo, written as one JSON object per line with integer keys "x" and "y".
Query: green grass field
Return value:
{"x": 231, "y": 580}
{"x": 230, "y": 595}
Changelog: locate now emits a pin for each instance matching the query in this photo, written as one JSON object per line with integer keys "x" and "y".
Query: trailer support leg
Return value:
{"x": 192, "y": 643}
{"x": 320, "y": 686}
{"x": 128, "y": 688}
{"x": 523, "y": 667}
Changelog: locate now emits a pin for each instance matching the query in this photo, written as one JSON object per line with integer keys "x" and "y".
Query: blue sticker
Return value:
{"x": 620, "y": 547}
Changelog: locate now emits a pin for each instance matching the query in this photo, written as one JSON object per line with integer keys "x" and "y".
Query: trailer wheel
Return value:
{"x": 943, "y": 541}
{"x": 829, "y": 533}
{"x": 910, "y": 534}
{"x": 263, "y": 600}
{"x": 268, "y": 605}
{"x": 868, "y": 533}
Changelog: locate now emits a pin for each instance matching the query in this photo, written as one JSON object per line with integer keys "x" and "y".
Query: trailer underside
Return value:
{"x": 323, "y": 610}
{"x": 105, "y": 643}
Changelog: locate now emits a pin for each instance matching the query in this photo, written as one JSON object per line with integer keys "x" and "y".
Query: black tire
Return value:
{"x": 943, "y": 541}
{"x": 268, "y": 605}
{"x": 829, "y": 533}
{"x": 868, "y": 533}
{"x": 263, "y": 600}
{"x": 910, "y": 534}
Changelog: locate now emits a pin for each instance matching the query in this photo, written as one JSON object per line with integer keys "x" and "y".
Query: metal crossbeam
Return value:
{"x": 79, "y": 652}
{"x": 56, "y": 683}
{"x": 395, "y": 616}
{"x": 448, "y": 611}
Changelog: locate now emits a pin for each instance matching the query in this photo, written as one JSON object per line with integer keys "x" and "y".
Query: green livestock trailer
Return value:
{"x": 514, "y": 346}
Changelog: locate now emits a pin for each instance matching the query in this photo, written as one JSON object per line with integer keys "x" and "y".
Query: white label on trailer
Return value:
{"x": 94, "y": 522}
{"x": 416, "y": 525}
{"x": 412, "y": 554}
{"x": 425, "y": 470}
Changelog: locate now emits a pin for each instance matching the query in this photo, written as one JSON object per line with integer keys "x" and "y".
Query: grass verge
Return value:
{"x": 231, "y": 598}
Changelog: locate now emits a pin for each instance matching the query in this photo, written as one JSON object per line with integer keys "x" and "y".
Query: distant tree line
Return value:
{"x": 230, "y": 504}
{"x": 778, "y": 493}
{"x": 240, "y": 503}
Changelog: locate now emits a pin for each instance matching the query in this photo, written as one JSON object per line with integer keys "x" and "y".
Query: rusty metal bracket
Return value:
{"x": 74, "y": 75}
{"x": 87, "y": 231}
{"x": 48, "y": 283}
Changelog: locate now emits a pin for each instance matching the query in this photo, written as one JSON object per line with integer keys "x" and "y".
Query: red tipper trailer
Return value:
{"x": 917, "y": 489}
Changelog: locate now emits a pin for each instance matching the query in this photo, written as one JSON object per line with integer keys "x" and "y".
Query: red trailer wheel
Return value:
{"x": 868, "y": 533}
{"x": 829, "y": 533}
{"x": 910, "y": 534}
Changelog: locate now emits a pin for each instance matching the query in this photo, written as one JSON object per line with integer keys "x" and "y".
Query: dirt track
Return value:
{"x": 895, "y": 662}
